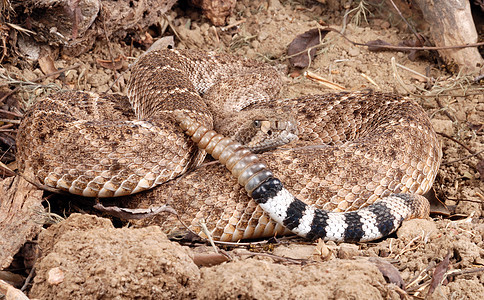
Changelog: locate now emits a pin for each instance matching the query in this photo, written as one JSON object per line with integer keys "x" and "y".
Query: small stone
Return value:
{"x": 98, "y": 79}
{"x": 295, "y": 251}
{"x": 354, "y": 51}
{"x": 56, "y": 276}
{"x": 377, "y": 22}
{"x": 255, "y": 44}
{"x": 295, "y": 73}
{"x": 275, "y": 5}
{"x": 29, "y": 75}
{"x": 417, "y": 227}
{"x": 443, "y": 126}
{"x": 385, "y": 25}
{"x": 347, "y": 251}
{"x": 262, "y": 36}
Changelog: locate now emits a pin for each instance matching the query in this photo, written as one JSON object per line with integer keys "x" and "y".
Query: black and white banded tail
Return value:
{"x": 366, "y": 224}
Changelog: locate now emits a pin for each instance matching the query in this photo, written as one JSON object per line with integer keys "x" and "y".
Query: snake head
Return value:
{"x": 261, "y": 130}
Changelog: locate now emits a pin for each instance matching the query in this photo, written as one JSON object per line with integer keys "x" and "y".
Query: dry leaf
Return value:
{"x": 439, "y": 273}
{"x": 110, "y": 64}
{"x": 389, "y": 272}
{"x": 165, "y": 42}
{"x": 46, "y": 64}
{"x": 376, "y": 45}
{"x": 147, "y": 39}
{"x": 302, "y": 43}
{"x": 321, "y": 251}
{"x": 437, "y": 206}
{"x": 209, "y": 259}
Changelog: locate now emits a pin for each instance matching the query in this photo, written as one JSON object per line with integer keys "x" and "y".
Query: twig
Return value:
{"x": 11, "y": 113}
{"x": 278, "y": 258}
{"x": 134, "y": 213}
{"x": 10, "y": 121}
{"x": 444, "y": 110}
{"x": 21, "y": 29}
{"x": 407, "y": 246}
{"x": 480, "y": 195}
{"x": 405, "y": 48}
{"x": 237, "y": 23}
{"x": 321, "y": 80}
{"x": 405, "y": 20}
{"x": 209, "y": 236}
{"x": 345, "y": 17}
{"x": 427, "y": 79}
{"x": 217, "y": 38}
{"x": 173, "y": 28}
{"x": 12, "y": 292}
{"x": 9, "y": 93}
{"x": 466, "y": 200}
{"x": 6, "y": 126}
{"x": 6, "y": 171}
{"x": 32, "y": 272}
{"x": 48, "y": 217}
{"x": 463, "y": 272}
{"x": 37, "y": 80}
{"x": 369, "y": 79}
{"x": 397, "y": 76}
{"x": 462, "y": 144}
{"x": 56, "y": 72}
{"x": 419, "y": 276}
{"x": 236, "y": 244}
{"x": 461, "y": 159}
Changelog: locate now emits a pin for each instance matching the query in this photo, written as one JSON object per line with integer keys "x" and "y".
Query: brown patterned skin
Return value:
{"x": 352, "y": 148}
{"x": 97, "y": 145}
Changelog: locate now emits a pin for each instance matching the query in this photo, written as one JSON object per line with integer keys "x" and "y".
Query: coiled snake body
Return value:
{"x": 354, "y": 149}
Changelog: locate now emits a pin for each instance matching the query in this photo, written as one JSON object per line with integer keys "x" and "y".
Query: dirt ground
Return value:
{"x": 87, "y": 256}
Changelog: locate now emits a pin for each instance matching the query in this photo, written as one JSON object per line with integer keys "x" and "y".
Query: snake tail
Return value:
{"x": 375, "y": 221}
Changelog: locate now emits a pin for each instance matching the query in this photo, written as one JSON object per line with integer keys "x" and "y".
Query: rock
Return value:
{"x": 347, "y": 251}
{"x": 443, "y": 126}
{"x": 385, "y": 25}
{"x": 96, "y": 260}
{"x": 353, "y": 51}
{"x": 295, "y": 251}
{"x": 416, "y": 227}
{"x": 263, "y": 279}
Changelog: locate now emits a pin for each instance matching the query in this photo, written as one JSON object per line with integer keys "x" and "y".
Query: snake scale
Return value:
{"x": 350, "y": 166}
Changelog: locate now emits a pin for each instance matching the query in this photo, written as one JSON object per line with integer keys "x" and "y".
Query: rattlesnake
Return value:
{"x": 353, "y": 149}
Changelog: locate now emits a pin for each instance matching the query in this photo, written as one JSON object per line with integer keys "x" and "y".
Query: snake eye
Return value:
{"x": 257, "y": 123}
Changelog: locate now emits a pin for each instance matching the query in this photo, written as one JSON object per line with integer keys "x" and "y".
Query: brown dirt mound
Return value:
{"x": 94, "y": 259}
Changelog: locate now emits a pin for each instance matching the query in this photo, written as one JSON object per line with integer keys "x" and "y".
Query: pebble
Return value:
{"x": 443, "y": 126}
{"x": 347, "y": 251}
{"x": 385, "y": 25}
{"x": 263, "y": 35}
{"x": 294, "y": 251}
{"x": 353, "y": 51}
{"x": 417, "y": 227}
